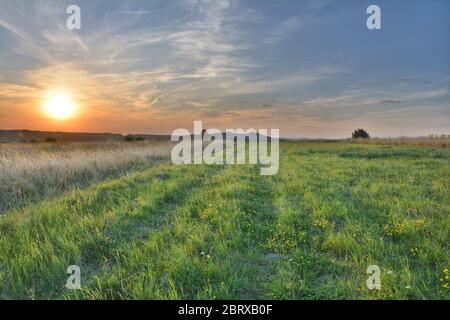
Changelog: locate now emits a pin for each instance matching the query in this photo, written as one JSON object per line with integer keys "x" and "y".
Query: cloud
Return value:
{"x": 199, "y": 61}
{"x": 284, "y": 30}
{"x": 357, "y": 103}
{"x": 136, "y": 12}
{"x": 388, "y": 101}
{"x": 14, "y": 91}
{"x": 317, "y": 4}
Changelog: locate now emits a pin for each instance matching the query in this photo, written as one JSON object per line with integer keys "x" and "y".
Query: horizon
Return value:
{"x": 309, "y": 68}
{"x": 435, "y": 135}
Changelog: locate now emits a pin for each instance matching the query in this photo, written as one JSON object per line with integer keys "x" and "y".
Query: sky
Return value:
{"x": 310, "y": 68}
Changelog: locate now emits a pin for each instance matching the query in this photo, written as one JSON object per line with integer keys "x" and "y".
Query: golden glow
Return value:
{"x": 59, "y": 105}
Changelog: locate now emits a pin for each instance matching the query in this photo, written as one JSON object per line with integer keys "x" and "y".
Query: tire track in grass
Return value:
{"x": 254, "y": 218}
{"x": 39, "y": 242}
{"x": 240, "y": 232}
{"x": 141, "y": 226}
{"x": 296, "y": 265}
{"x": 148, "y": 213}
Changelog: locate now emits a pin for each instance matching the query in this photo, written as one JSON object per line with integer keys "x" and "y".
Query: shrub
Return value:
{"x": 360, "y": 133}
{"x": 50, "y": 140}
{"x": 131, "y": 138}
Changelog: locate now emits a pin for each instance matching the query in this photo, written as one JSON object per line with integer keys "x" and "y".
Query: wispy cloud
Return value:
{"x": 284, "y": 30}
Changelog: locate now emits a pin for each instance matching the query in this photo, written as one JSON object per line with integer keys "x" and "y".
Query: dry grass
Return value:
{"x": 34, "y": 171}
{"x": 433, "y": 142}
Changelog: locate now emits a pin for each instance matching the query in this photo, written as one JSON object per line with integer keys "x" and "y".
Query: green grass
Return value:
{"x": 225, "y": 232}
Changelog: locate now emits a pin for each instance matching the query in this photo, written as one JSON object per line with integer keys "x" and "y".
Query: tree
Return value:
{"x": 360, "y": 134}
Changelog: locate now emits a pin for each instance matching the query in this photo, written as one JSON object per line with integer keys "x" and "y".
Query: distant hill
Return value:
{"x": 238, "y": 135}
{"x": 159, "y": 137}
{"x": 41, "y": 136}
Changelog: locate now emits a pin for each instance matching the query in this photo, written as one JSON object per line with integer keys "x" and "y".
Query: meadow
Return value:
{"x": 32, "y": 171}
{"x": 160, "y": 231}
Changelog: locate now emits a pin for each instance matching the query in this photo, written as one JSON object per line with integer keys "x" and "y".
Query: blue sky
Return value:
{"x": 309, "y": 68}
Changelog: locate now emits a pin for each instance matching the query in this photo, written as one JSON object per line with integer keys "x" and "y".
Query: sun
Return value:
{"x": 59, "y": 105}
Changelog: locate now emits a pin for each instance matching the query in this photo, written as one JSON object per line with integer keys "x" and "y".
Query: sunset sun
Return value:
{"x": 59, "y": 106}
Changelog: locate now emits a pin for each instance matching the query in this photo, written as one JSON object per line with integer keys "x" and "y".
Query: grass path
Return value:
{"x": 225, "y": 232}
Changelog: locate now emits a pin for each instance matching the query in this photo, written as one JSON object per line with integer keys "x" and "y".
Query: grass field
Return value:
{"x": 33, "y": 171}
{"x": 225, "y": 232}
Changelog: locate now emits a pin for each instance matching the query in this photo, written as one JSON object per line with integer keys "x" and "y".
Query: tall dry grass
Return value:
{"x": 432, "y": 142}
{"x": 33, "y": 171}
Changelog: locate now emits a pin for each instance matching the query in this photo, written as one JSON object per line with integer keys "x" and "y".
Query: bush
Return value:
{"x": 131, "y": 138}
{"x": 360, "y": 134}
{"x": 50, "y": 140}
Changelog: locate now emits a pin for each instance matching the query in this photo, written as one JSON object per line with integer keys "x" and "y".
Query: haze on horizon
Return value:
{"x": 309, "y": 67}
